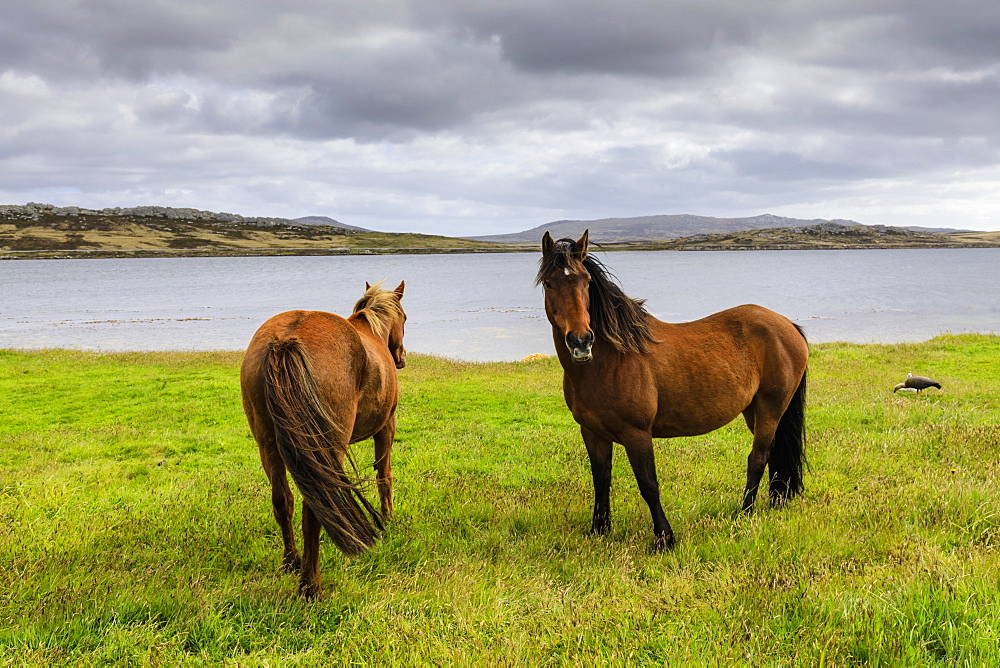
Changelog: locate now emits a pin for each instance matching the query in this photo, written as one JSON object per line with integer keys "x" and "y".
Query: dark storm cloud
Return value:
{"x": 113, "y": 38}
{"x": 625, "y": 37}
{"x": 423, "y": 82}
{"x": 434, "y": 65}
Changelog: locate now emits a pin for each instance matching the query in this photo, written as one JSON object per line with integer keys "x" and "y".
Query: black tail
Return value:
{"x": 788, "y": 453}
{"x": 308, "y": 439}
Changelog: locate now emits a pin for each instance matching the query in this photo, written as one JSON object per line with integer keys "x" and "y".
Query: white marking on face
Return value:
{"x": 566, "y": 271}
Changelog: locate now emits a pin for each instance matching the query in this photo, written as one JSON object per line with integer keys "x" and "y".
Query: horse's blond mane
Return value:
{"x": 381, "y": 307}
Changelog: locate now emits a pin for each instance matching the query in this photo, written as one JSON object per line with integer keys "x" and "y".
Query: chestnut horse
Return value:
{"x": 629, "y": 378}
{"x": 314, "y": 382}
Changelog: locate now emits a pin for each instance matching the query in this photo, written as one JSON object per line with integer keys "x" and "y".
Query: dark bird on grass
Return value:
{"x": 917, "y": 383}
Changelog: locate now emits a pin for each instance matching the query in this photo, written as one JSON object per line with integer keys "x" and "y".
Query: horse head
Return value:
{"x": 566, "y": 282}
{"x": 386, "y": 317}
{"x": 396, "y": 331}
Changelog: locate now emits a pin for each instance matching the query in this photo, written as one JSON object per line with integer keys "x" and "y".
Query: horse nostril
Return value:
{"x": 576, "y": 342}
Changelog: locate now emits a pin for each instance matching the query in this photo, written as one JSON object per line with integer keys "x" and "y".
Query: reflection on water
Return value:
{"x": 485, "y": 307}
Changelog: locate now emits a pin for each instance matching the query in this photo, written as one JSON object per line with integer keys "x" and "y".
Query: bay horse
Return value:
{"x": 313, "y": 383}
{"x": 629, "y": 378}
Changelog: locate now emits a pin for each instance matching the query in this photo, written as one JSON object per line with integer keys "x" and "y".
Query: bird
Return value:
{"x": 918, "y": 383}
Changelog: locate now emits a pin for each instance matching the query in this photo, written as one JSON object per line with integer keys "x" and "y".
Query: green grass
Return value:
{"x": 135, "y": 525}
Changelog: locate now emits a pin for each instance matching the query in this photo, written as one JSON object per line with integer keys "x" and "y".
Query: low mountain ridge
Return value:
{"x": 45, "y": 231}
{"x": 653, "y": 228}
{"x": 330, "y": 222}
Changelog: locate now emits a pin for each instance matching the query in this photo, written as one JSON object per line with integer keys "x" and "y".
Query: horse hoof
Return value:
{"x": 309, "y": 592}
{"x": 664, "y": 542}
{"x": 778, "y": 500}
{"x": 292, "y": 565}
{"x": 600, "y": 529}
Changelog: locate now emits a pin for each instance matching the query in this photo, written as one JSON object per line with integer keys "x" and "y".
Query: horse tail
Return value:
{"x": 788, "y": 453}
{"x": 308, "y": 439}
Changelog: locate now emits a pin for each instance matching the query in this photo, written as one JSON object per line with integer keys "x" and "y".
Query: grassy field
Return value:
{"x": 135, "y": 525}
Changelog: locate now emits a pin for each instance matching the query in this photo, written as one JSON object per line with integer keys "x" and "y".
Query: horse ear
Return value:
{"x": 367, "y": 286}
{"x": 399, "y": 290}
{"x": 547, "y": 243}
{"x": 581, "y": 244}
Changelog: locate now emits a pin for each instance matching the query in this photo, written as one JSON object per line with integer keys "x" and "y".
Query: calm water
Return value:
{"x": 484, "y": 307}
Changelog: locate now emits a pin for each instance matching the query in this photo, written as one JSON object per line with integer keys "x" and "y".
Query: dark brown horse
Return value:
{"x": 629, "y": 378}
{"x": 313, "y": 383}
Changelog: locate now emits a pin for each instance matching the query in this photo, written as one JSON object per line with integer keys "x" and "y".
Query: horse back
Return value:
{"x": 738, "y": 345}
{"x": 754, "y": 329}
{"x": 706, "y": 372}
{"x": 349, "y": 373}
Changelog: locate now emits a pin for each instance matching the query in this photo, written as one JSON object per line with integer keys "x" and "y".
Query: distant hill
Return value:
{"x": 33, "y": 211}
{"x": 937, "y": 230}
{"x": 45, "y": 231}
{"x": 653, "y": 228}
{"x": 827, "y": 235}
{"x": 326, "y": 220}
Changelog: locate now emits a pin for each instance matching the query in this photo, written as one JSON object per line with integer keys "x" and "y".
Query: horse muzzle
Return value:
{"x": 580, "y": 347}
{"x": 400, "y": 360}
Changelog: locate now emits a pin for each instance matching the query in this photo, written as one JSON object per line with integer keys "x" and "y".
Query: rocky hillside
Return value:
{"x": 33, "y": 212}
{"x": 41, "y": 230}
{"x": 820, "y": 236}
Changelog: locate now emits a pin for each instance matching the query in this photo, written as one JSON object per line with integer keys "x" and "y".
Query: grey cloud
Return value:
{"x": 962, "y": 33}
{"x": 112, "y": 38}
{"x": 631, "y": 36}
{"x": 786, "y": 166}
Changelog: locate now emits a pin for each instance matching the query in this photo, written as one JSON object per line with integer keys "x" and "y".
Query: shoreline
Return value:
{"x": 533, "y": 357}
{"x": 354, "y": 251}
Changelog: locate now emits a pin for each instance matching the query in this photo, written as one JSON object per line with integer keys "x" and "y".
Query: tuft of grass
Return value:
{"x": 135, "y": 524}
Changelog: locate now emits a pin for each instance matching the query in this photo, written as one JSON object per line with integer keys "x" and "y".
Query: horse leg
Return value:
{"x": 599, "y": 450}
{"x": 282, "y": 503}
{"x": 309, "y": 585}
{"x": 639, "y": 448}
{"x": 748, "y": 417}
{"x": 763, "y": 428}
{"x": 383, "y": 465}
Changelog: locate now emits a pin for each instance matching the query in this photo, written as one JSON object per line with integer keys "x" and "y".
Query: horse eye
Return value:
{"x": 546, "y": 285}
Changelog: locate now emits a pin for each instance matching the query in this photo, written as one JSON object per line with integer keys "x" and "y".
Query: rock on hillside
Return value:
{"x": 33, "y": 211}
{"x": 326, "y": 220}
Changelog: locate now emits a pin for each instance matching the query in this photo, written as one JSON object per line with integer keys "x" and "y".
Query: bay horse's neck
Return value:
{"x": 360, "y": 323}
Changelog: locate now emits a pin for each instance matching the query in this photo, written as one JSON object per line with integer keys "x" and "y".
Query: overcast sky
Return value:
{"x": 488, "y": 116}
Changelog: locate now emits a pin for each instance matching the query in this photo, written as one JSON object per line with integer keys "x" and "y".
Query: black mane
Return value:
{"x": 614, "y": 316}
